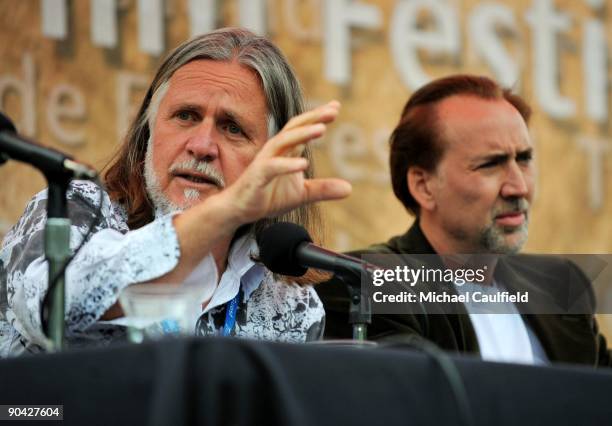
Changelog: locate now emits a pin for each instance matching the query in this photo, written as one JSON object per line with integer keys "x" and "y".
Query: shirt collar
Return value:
{"x": 240, "y": 261}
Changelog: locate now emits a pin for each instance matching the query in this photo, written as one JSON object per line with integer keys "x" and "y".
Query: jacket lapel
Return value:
{"x": 415, "y": 242}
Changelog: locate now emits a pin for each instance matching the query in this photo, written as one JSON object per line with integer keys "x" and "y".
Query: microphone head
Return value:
{"x": 277, "y": 248}
{"x": 6, "y": 125}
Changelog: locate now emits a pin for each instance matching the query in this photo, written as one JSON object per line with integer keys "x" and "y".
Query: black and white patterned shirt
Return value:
{"x": 115, "y": 257}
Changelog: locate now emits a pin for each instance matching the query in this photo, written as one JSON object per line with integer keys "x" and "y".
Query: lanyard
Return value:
{"x": 230, "y": 315}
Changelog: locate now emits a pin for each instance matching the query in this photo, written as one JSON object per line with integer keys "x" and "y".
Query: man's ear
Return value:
{"x": 420, "y": 185}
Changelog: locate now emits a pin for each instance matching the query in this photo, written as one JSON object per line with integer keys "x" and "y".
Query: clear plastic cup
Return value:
{"x": 154, "y": 311}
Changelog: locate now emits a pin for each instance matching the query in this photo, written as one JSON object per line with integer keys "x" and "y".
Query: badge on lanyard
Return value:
{"x": 230, "y": 315}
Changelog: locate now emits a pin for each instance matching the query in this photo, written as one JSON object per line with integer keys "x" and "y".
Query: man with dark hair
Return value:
{"x": 217, "y": 151}
{"x": 461, "y": 163}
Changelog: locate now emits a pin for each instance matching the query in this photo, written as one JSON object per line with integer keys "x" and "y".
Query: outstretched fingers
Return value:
{"x": 322, "y": 114}
{"x": 287, "y": 140}
{"x": 278, "y": 166}
{"x": 300, "y": 130}
{"x": 322, "y": 189}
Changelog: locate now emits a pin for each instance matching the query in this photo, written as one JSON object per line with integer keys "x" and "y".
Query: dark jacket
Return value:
{"x": 565, "y": 338}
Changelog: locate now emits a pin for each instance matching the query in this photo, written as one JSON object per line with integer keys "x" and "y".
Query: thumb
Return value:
{"x": 322, "y": 189}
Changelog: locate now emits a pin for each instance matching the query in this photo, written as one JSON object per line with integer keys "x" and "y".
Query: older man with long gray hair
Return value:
{"x": 217, "y": 151}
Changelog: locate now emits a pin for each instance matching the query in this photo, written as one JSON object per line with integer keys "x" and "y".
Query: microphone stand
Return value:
{"x": 57, "y": 252}
{"x": 360, "y": 309}
{"x": 59, "y": 169}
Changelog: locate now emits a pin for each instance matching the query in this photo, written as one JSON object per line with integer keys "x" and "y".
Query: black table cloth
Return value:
{"x": 237, "y": 382}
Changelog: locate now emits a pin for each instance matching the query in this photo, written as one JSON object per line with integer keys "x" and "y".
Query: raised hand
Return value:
{"x": 274, "y": 182}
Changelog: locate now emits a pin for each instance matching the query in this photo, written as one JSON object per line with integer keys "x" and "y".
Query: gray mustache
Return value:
{"x": 203, "y": 167}
{"x": 514, "y": 205}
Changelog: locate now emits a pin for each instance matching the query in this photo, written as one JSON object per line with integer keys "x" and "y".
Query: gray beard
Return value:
{"x": 161, "y": 202}
{"x": 492, "y": 240}
{"x": 162, "y": 205}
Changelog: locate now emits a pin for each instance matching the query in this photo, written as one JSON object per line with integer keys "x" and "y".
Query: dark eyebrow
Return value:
{"x": 500, "y": 158}
{"x": 493, "y": 158}
{"x": 525, "y": 154}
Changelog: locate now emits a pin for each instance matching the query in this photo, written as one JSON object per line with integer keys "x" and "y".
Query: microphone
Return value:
{"x": 47, "y": 160}
{"x": 287, "y": 249}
